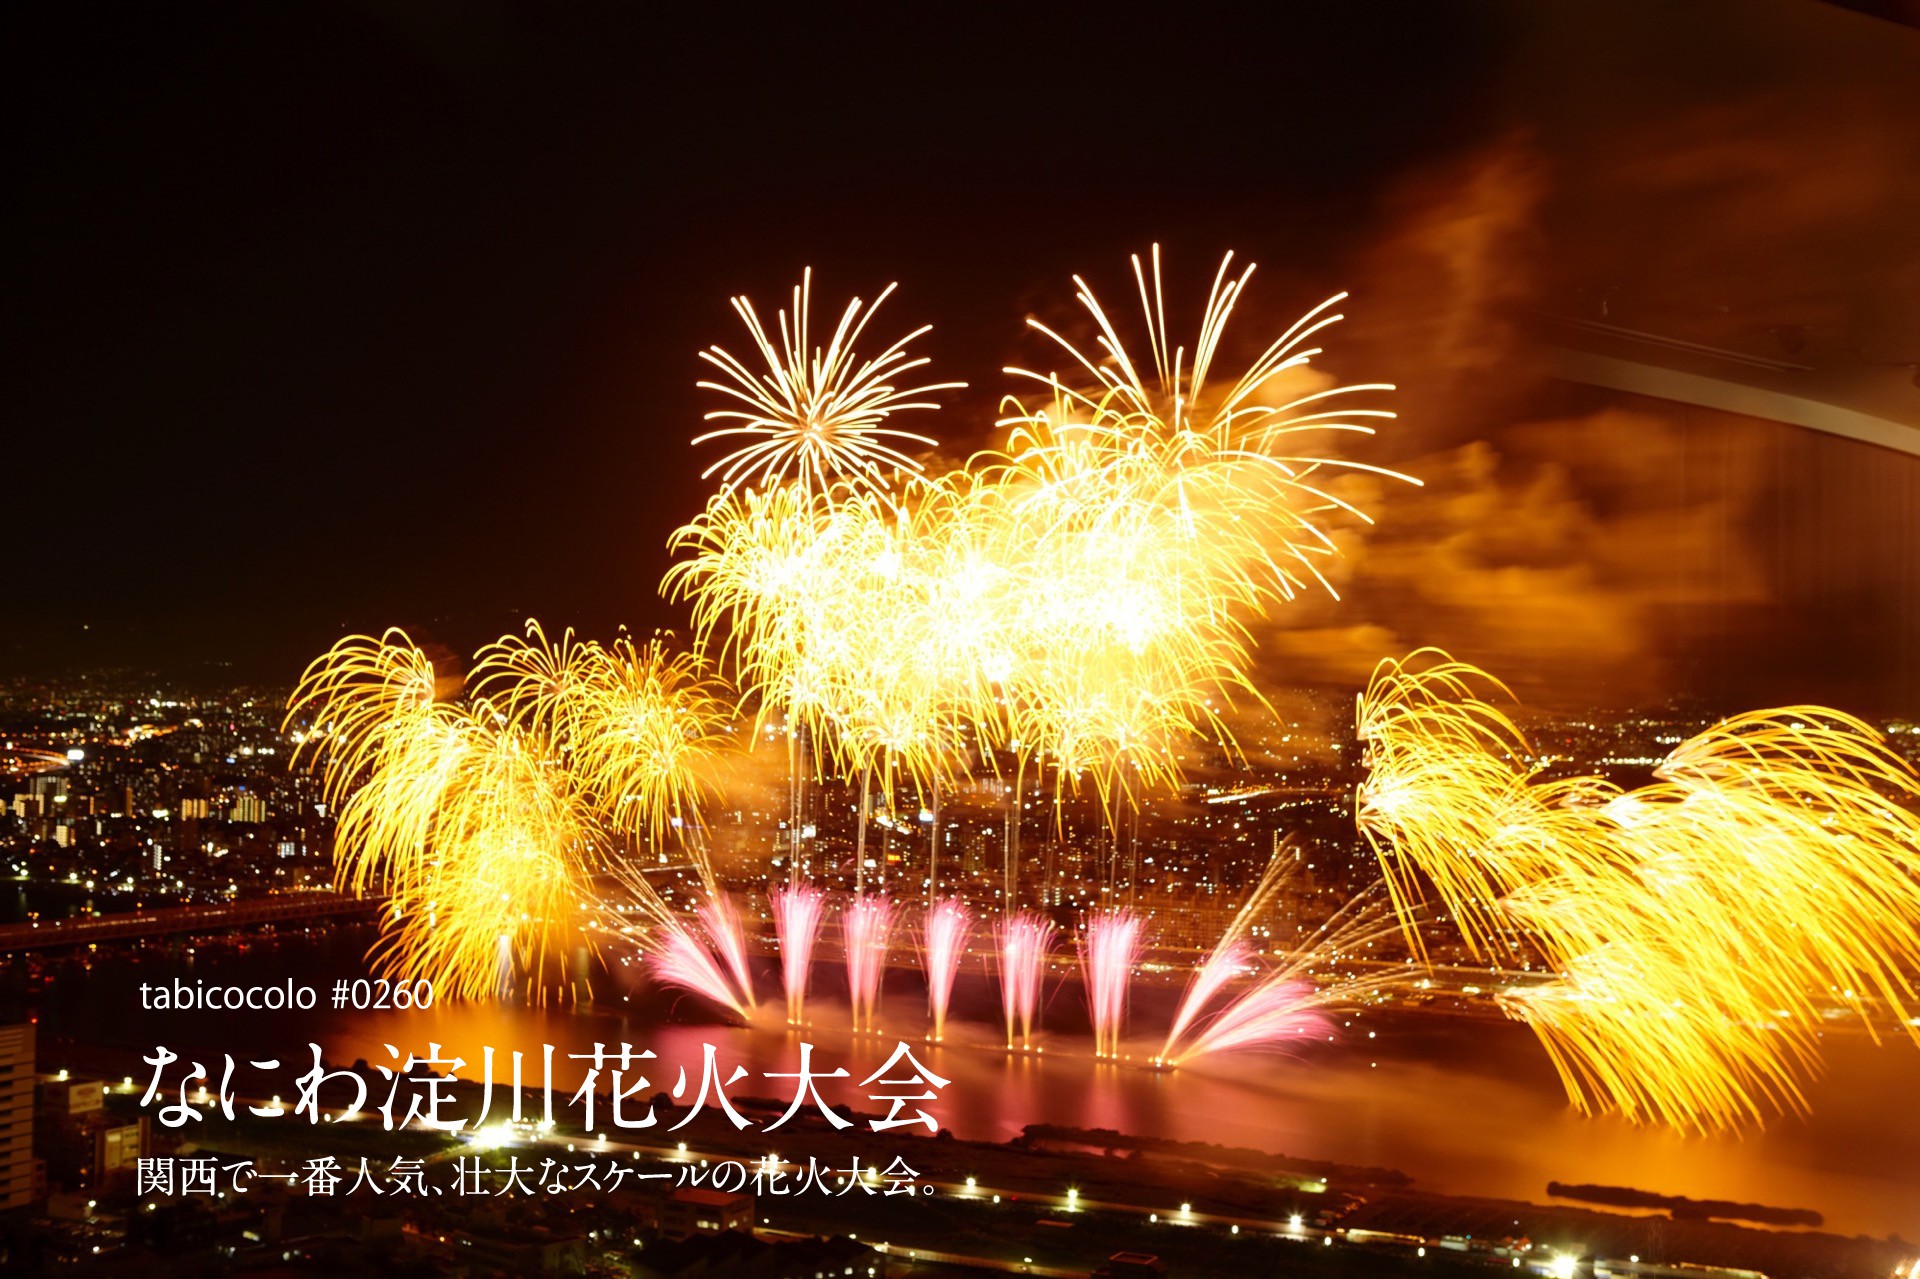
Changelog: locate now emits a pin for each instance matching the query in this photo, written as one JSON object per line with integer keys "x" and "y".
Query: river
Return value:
{"x": 1464, "y": 1105}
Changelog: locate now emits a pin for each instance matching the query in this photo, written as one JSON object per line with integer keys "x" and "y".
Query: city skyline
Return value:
{"x": 1121, "y": 645}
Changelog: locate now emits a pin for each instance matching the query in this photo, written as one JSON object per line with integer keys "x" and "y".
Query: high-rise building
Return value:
{"x": 80, "y": 1142}
{"x": 16, "y": 1116}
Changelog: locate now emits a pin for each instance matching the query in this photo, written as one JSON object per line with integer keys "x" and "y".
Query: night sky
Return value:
{"x": 323, "y": 318}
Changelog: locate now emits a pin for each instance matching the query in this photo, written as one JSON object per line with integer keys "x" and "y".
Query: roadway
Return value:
{"x": 93, "y": 930}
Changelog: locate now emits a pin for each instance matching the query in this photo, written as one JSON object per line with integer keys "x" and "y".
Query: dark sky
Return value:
{"x": 328, "y": 317}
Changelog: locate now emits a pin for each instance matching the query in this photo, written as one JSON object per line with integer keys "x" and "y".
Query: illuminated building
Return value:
{"x": 16, "y": 1116}
{"x": 82, "y": 1145}
{"x": 695, "y": 1210}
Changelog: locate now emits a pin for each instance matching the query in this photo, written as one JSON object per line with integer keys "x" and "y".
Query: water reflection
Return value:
{"x": 1464, "y": 1106}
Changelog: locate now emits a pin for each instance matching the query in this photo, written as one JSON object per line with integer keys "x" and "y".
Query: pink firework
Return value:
{"x": 721, "y": 919}
{"x": 1280, "y": 1010}
{"x": 1107, "y": 955}
{"x": 941, "y": 949}
{"x": 867, "y": 926}
{"x": 1228, "y": 958}
{"x": 681, "y": 959}
{"x": 797, "y": 909}
{"x": 1022, "y": 941}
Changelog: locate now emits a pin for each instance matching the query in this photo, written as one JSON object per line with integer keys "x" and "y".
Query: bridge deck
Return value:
{"x": 181, "y": 919}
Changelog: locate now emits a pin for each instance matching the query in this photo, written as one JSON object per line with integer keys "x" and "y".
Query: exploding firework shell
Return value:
{"x": 1700, "y": 928}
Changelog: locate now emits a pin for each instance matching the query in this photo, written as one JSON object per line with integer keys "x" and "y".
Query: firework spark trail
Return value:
{"x": 1703, "y": 927}
{"x": 1022, "y": 941}
{"x": 797, "y": 911}
{"x": 513, "y": 867}
{"x": 867, "y": 927}
{"x": 1231, "y": 954}
{"x": 1275, "y": 1012}
{"x": 943, "y": 945}
{"x": 1333, "y": 968}
{"x": 1107, "y": 954}
{"x": 1078, "y": 598}
{"x": 386, "y": 742}
{"x": 721, "y": 920}
{"x": 679, "y": 958}
{"x": 485, "y": 817}
{"x": 1151, "y": 515}
{"x": 1228, "y": 959}
{"x": 1447, "y": 801}
{"x": 817, "y": 415}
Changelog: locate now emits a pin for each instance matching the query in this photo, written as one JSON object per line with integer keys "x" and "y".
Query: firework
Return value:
{"x": 362, "y": 694}
{"x": 654, "y": 728}
{"x": 943, "y": 945}
{"x": 1447, "y": 802}
{"x": 866, "y": 925}
{"x": 1022, "y": 941}
{"x": 797, "y": 910}
{"x": 536, "y": 682}
{"x": 815, "y": 415}
{"x": 476, "y": 817}
{"x": 679, "y": 958}
{"x": 457, "y": 815}
{"x": 1107, "y": 954}
{"x": 1228, "y": 959}
{"x": 1074, "y": 603}
{"x": 1274, "y": 1013}
{"x": 1288, "y": 997}
{"x": 721, "y": 920}
{"x": 1077, "y": 599}
{"x": 1150, "y": 514}
{"x": 1231, "y": 954}
{"x": 1702, "y": 929}
{"x": 510, "y": 862}
{"x": 643, "y": 728}
{"x": 379, "y": 720}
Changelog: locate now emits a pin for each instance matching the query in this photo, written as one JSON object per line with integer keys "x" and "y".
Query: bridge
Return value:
{"x": 30, "y": 759}
{"x": 129, "y": 925}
